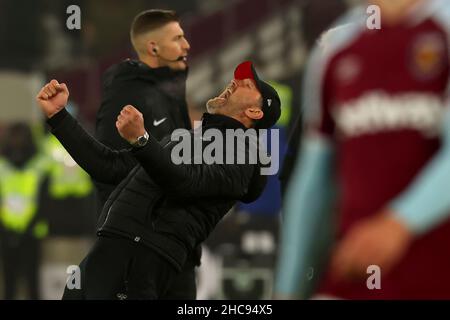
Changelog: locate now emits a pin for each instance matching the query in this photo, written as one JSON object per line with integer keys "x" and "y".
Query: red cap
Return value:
{"x": 244, "y": 71}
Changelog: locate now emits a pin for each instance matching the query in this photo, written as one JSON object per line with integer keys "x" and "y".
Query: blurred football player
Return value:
{"x": 369, "y": 195}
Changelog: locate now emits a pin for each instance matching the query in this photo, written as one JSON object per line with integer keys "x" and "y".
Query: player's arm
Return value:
{"x": 100, "y": 162}
{"x": 307, "y": 221}
{"x": 426, "y": 203}
{"x": 307, "y": 214}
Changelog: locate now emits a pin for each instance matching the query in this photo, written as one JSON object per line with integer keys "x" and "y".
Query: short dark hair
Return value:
{"x": 150, "y": 20}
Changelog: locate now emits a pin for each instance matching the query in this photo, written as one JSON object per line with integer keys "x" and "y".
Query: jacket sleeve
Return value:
{"x": 100, "y": 162}
{"x": 194, "y": 180}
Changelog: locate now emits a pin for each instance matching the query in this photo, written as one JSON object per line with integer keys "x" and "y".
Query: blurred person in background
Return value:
{"x": 156, "y": 85}
{"x": 23, "y": 172}
{"x": 70, "y": 189}
{"x": 370, "y": 185}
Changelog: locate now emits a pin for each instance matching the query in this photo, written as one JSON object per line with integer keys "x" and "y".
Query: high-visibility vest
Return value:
{"x": 66, "y": 178}
{"x": 19, "y": 191}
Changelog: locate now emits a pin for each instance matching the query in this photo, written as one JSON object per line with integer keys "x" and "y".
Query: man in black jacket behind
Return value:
{"x": 156, "y": 85}
{"x": 162, "y": 210}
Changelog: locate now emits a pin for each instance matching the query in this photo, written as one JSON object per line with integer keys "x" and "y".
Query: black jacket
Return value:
{"x": 158, "y": 93}
{"x": 169, "y": 208}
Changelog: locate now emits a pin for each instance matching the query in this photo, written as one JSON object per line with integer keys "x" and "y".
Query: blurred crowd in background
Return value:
{"x": 48, "y": 202}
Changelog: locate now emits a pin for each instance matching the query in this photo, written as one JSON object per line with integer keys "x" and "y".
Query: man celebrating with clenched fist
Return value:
{"x": 161, "y": 211}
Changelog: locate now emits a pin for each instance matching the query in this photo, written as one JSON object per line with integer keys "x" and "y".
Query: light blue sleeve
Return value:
{"x": 426, "y": 202}
{"x": 307, "y": 220}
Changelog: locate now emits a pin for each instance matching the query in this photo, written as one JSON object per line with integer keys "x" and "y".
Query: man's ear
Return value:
{"x": 254, "y": 113}
{"x": 152, "y": 48}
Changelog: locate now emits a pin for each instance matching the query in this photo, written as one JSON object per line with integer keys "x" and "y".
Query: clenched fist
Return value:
{"x": 53, "y": 98}
{"x": 130, "y": 124}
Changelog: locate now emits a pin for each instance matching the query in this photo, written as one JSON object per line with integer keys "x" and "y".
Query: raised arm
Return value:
{"x": 100, "y": 162}
{"x": 190, "y": 180}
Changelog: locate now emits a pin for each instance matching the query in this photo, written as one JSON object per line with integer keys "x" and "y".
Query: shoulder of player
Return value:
{"x": 330, "y": 43}
{"x": 343, "y": 31}
{"x": 439, "y": 11}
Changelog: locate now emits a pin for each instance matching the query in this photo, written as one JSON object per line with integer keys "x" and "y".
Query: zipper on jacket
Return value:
{"x": 107, "y": 216}
{"x": 135, "y": 169}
